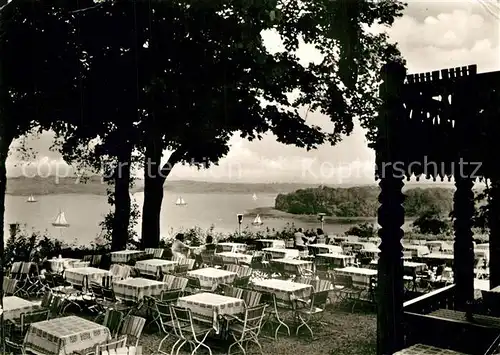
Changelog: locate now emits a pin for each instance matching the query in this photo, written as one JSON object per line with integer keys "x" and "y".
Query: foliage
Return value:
{"x": 360, "y": 201}
{"x": 364, "y": 230}
{"x": 431, "y": 222}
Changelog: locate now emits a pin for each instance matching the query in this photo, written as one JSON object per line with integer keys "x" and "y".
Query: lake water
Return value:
{"x": 84, "y": 212}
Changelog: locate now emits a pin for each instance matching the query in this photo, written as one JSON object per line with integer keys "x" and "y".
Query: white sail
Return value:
{"x": 31, "y": 199}
{"x": 60, "y": 220}
{"x": 254, "y": 197}
{"x": 180, "y": 201}
{"x": 257, "y": 221}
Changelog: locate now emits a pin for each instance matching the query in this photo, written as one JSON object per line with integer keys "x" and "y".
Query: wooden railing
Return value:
{"x": 437, "y": 299}
{"x": 468, "y": 337}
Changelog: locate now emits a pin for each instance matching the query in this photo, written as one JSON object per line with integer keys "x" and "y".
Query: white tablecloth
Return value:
{"x": 284, "y": 290}
{"x": 59, "y": 265}
{"x": 152, "y": 266}
{"x": 278, "y": 253}
{"x": 209, "y": 306}
{"x": 292, "y": 265}
{"x": 13, "y": 307}
{"x": 212, "y": 277}
{"x": 124, "y": 256}
{"x": 135, "y": 289}
{"x": 360, "y": 276}
{"x": 230, "y": 257}
{"x": 76, "y": 276}
{"x": 64, "y": 336}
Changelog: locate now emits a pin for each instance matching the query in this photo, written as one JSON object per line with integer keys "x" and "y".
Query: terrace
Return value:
{"x": 455, "y": 111}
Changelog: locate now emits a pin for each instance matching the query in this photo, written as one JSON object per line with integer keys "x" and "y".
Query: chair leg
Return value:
{"x": 304, "y": 323}
{"x": 179, "y": 347}
{"x": 161, "y": 343}
{"x": 202, "y": 343}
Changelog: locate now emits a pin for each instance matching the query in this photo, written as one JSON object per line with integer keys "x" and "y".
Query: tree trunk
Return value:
{"x": 154, "y": 178}
{"x": 121, "y": 220}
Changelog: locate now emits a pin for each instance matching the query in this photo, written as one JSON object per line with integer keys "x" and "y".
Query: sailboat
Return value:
{"x": 60, "y": 221}
{"x": 31, "y": 199}
{"x": 257, "y": 221}
{"x": 254, "y": 197}
{"x": 180, "y": 201}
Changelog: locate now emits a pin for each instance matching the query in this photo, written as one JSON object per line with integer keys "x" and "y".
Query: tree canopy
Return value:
{"x": 184, "y": 76}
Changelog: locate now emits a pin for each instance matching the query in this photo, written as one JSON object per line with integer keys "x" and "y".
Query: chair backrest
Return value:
{"x": 178, "y": 259}
{"x": 115, "y": 347}
{"x": 108, "y": 294}
{"x": 245, "y": 271}
{"x": 232, "y": 267}
{"x": 15, "y": 269}
{"x": 169, "y": 296}
{"x": 193, "y": 284}
{"x": 33, "y": 317}
{"x": 157, "y": 253}
{"x": 13, "y": 348}
{"x": 96, "y": 260}
{"x": 321, "y": 285}
{"x": 343, "y": 280}
{"x": 164, "y": 314}
{"x": 253, "y": 318}
{"x": 87, "y": 258}
{"x": 97, "y": 290}
{"x": 9, "y": 286}
{"x": 113, "y": 320}
{"x": 179, "y": 283}
{"x": 320, "y": 299}
{"x": 231, "y": 291}
{"x": 181, "y": 268}
{"x": 46, "y": 299}
{"x": 132, "y": 327}
{"x": 206, "y": 257}
{"x": 251, "y": 298}
{"x": 190, "y": 263}
{"x": 149, "y": 251}
{"x": 56, "y": 306}
{"x": 168, "y": 279}
{"x": 217, "y": 260}
{"x": 181, "y": 318}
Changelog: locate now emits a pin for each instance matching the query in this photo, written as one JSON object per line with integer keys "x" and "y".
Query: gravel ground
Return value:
{"x": 340, "y": 333}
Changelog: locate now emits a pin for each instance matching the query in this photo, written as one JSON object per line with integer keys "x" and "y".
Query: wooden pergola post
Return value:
{"x": 390, "y": 287}
{"x": 463, "y": 265}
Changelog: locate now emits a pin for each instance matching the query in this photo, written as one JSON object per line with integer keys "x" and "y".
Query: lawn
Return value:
{"x": 340, "y": 333}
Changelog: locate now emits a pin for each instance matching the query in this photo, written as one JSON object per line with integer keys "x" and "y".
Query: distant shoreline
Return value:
{"x": 271, "y": 212}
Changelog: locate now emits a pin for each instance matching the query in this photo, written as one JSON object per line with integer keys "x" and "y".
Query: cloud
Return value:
{"x": 432, "y": 35}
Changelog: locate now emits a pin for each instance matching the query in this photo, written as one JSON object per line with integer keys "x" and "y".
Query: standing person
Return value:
{"x": 178, "y": 247}
{"x": 321, "y": 237}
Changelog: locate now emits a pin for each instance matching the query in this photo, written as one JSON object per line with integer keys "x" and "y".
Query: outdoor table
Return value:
{"x": 360, "y": 276}
{"x": 135, "y": 289}
{"x": 211, "y": 277}
{"x": 231, "y": 247}
{"x": 279, "y": 253}
{"x": 410, "y": 267}
{"x": 124, "y": 256}
{"x": 77, "y": 276}
{"x": 496, "y": 289}
{"x": 420, "y": 349}
{"x": 292, "y": 265}
{"x": 59, "y": 265}
{"x": 151, "y": 267}
{"x": 325, "y": 249}
{"x": 284, "y": 290}
{"x": 64, "y": 336}
{"x": 272, "y": 243}
{"x": 13, "y": 306}
{"x": 210, "y": 306}
{"x": 230, "y": 257}
{"x": 339, "y": 260}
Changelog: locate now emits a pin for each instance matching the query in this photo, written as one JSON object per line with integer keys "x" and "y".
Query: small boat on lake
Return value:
{"x": 31, "y": 199}
{"x": 257, "y": 221}
{"x": 60, "y": 221}
{"x": 180, "y": 202}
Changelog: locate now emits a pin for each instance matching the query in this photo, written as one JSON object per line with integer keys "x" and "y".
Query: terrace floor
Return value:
{"x": 340, "y": 332}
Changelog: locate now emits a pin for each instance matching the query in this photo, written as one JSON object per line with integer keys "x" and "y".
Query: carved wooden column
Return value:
{"x": 463, "y": 265}
{"x": 494, "y": 226}
{"x": 390, "y": 288}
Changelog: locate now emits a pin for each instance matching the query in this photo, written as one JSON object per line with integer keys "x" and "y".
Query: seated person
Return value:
{"x": 209, "y": 244}
{"x": 179, "y": 249}
{"x": 300, "y": 240}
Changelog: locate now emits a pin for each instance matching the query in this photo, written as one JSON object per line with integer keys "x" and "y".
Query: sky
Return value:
{"x": 431, "y": 35}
